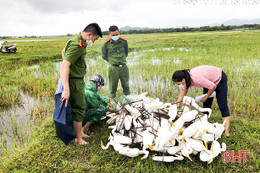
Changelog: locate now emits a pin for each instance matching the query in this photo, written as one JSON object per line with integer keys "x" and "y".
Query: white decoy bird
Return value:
{"x": 172, "y": 112}
{"x": 122, "y": 139}
{"x": 198, "y": 98}
{"x": 112, "y": 127}
{"x": 194, "y": 152}
{"x": 133, "y": 111}
{"x": 191, "y": 130}
{"x": 205, "y": 157}
{"x": 164, "y": 135}
{"x": 196, "y": 145}
{"x": 128, "y": 122}
{"x": 145, "y": 99}
{"x": 215, "y": 149}
{"x": 147, "y": 139}
{"x": 189, "y": 116}
{"x": 190, "y": 101}
{"x": 110, "y": 115}
{"x": 224, "y": 147}
{"x": 154, "y": 106}
{"x": 167, "y": 158}
{"x": 214, "y": 152}
{"x": 186, "y": 150}
{"x": 207, "y": 138}
{"x": 177, "y": 124}
{"x": 203, "y": 126}
{"x": 119, "y": 123}
{"x": 132, "y": 152}
{"x": 115, "y": 145}
{"x": 112, "y": 119}
{"x": 216, "y": 128}
{"x": 185, "y": 109}
{"x": 220, "y": 128}
{"x": 174, "y": 149}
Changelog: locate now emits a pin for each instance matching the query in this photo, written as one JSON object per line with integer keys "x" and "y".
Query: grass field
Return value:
{"x": 152, "y": 59}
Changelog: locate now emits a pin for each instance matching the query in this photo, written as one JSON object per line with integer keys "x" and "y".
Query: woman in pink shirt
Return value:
{"x": 209, "y": 78}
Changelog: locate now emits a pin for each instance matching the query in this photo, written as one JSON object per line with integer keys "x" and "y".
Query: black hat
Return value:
{"x": 97, "y": 27}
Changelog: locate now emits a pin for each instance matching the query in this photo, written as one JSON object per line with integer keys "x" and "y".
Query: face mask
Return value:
{"x": 89, "y": 43}
{"x": 181, "y": 86}
{"x": 115, "y": 38}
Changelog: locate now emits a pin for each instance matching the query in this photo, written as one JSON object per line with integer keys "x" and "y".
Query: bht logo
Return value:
{"x": 230, "y": 157}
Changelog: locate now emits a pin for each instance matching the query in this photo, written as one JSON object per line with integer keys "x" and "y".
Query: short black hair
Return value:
{"x": 113, "y": 28}
{"x": 94, "y": 28}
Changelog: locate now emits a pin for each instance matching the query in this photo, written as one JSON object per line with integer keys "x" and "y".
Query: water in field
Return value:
{"x": 15, "y": 122}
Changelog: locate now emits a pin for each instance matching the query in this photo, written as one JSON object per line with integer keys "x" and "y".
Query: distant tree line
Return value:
{"x": 187, "y": 29}
{"x": 167, "y": 30}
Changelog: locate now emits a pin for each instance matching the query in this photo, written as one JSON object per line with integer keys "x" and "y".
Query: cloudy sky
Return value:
{"x": 57, "y": 17}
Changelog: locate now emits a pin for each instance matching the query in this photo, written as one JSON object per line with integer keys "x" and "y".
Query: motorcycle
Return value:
{"x": 11, "y": 48}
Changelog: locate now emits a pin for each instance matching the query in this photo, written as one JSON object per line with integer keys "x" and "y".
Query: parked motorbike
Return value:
{"x": 11, "y": 48}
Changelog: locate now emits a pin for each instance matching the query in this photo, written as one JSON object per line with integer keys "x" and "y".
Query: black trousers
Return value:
{"x": 221, "y": 95}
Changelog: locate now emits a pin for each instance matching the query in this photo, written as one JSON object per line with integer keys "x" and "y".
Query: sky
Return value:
{"x": 60, "y": 17}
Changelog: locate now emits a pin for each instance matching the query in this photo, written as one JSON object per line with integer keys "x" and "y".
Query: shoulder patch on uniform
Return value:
{"x": 123, "y": 38}
{"x": 107, "y": 40}
{"x": 82, "y": 44}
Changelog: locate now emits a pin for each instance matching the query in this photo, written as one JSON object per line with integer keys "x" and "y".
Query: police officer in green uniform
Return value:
{"x": 115, "y": 51}
{"x": 72, "y": 72}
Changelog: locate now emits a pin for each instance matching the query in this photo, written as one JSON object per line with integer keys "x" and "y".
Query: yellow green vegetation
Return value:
{"x": 152, "y": 60}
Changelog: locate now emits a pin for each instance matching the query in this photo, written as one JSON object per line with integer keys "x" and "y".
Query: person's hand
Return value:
{"x": 109, "y": 105}
{"x": 65, "y": 96}
{"x": 111, "y": 109}
{"x": 178, "y": 103}
{"x": 203, "y": 99}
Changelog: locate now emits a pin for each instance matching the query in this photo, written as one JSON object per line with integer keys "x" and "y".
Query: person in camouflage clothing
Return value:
{"x": 115, "y": 51}
{"x": 96, "y": 104}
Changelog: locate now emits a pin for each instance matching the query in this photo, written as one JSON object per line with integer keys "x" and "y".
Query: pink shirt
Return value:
{"x": 205, "y": 76}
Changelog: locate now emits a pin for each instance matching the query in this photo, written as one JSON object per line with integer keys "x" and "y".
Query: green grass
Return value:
{"x": 46, "y": 153}
{"x": 33, "y": 69}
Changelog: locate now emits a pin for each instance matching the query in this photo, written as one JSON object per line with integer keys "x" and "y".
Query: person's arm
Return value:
{"x": 182, "y": 94}
{"x": 210, "y": 91}
{"x": 104, "y": 52}
{"x": 94, "y": 103}
{"x": 205, "y": 83}
{"x": 64, "y": 74}
{"x": 62, "y": 53}
{"x": 105, "y": 103}
{"x": 126, "y": 49}
{"x": 101, "y": 99}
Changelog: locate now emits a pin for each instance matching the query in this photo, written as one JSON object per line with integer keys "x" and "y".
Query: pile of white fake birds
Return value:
{"x": 147, "y": 124}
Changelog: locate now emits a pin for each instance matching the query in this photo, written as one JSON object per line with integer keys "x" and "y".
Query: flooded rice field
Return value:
{"x": 29, "y": 78}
